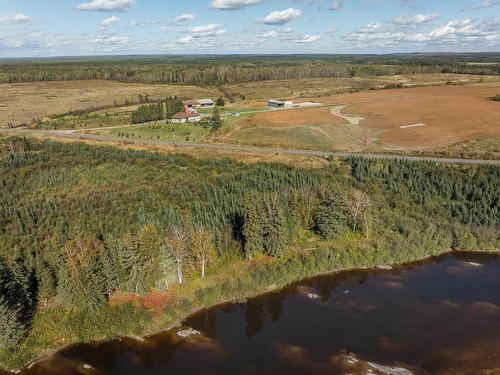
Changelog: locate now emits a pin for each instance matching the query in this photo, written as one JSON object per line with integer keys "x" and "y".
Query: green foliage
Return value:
{"x": 220, "y": 102}
{"x": 330, "y": 216}
{"x": 495, "y": 98}
{"x": 12, "y": 331}
{"x": 148, "y": 113}
{"x": 469, "y": 194}
{"x": 86, "y": 222}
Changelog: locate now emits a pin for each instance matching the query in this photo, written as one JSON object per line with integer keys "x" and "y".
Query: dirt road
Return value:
{"x": 244, "y": 149}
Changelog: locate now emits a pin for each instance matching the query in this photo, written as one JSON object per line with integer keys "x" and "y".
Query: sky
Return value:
{"x": 42, "y": 28}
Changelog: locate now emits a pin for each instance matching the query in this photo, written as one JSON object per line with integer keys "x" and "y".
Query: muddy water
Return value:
{"x": 441, "y": 316}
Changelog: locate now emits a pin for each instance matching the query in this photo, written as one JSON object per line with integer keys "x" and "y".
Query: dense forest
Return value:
{"x": 80, "y": 224}
{"x": 158, "y": 111}
{"x": 216, "y": 70}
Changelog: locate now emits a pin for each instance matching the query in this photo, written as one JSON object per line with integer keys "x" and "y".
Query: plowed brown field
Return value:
{"x": 425, "y": 117}
{"x": 296, "y": 117}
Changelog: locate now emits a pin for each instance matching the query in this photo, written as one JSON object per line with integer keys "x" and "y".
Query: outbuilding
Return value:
{"x": 206, "y": 102}
{"x": 273, "y": 103}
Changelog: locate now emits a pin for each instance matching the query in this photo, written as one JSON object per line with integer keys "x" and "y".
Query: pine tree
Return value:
{"x": 253, "y": 226}
{"x": 330, "y": 214}
{"x": 132, "y": 265}
{"x": 275, "y": 229}
{"x": 12, "y": 331}
{"x": 46, "y": 280}
{"x": 149, "y": 247}
{"x": 108, "y": 258}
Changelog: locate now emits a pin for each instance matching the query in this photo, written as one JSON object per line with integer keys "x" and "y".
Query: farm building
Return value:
{"x": 206, "y": 102}
{"x": 197, "y": 103}
{"x": 187, "y": 116}
{"x": 279, "y": 104}
{"x": 190, "y": 103}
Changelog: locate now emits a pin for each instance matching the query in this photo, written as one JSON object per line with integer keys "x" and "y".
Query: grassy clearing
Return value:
{"x": 163, "y": 131}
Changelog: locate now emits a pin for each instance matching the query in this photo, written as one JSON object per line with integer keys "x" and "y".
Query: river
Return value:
{"x": 440, "y": 316}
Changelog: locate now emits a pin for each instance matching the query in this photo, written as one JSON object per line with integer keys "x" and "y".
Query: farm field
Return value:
{"x": 21, "y": 102}
{"x": 255, "y": 93}
{"x": 410, "y": 119}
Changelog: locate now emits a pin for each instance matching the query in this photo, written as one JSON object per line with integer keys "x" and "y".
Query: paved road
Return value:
{"x": 245, "y": 149}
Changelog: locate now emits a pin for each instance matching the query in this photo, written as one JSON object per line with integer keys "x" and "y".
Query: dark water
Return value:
{"x": 438, "y": 316}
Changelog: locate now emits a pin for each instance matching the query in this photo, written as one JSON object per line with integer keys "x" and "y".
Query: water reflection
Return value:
{"x": 439, "y": 316}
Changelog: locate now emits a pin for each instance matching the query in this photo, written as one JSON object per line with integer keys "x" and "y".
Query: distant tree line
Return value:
{"x": 219, "y": 71}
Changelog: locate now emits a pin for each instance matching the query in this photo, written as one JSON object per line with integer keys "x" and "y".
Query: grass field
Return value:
{"x": 162, "y": 131}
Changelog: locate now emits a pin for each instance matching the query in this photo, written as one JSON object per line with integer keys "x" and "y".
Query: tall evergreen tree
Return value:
{"x": 12, "y": 330}
{"x": 276, "y": 229}
{"x": 253, "y": 227}
{"x": 330, "y": 214}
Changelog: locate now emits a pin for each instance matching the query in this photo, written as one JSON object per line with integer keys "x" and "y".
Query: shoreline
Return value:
{"x": 270, "y": 289}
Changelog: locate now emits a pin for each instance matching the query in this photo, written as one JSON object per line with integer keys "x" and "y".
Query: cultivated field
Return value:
{"x": 256, "y": 93}
{"x": 22, "y": 102}
{"x": 426, "y": 118}
{"x": 410, "y": 119}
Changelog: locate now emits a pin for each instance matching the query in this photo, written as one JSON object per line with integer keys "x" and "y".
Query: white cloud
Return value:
{"x": 133, "y": 24}
{"x": 15, "y": 19}
{"x": 110, "y": 21}
{"x": 307, "y": 39}
{"x": 107, "y": 5}
{"x": 418, "y": 19}
{"x": 212, "y": 29}
{"x": 233, "y": 4}
{"x": 484, "y": 5}
{"x": 152, "y": 22}
{"x": 336, "y": 4}
{"x": 280, "y": 17}
{"x": 184, "y": 18}
{"x": 118, "y": 40}
{"x": 461, "y": 33}
{"x": 185, "y": 40}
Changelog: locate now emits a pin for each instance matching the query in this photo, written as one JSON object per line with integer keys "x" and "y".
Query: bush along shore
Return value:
{"x": 97, "y": 242}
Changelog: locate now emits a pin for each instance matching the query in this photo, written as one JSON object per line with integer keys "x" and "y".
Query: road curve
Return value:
{"x": 245, "y": 149}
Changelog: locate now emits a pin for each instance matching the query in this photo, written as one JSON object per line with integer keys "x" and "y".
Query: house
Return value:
{"x": 279, "y": 104}
{"x": 186, "y": 116}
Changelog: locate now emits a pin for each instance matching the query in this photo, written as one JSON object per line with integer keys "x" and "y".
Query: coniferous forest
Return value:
{"x": 88, "y": 233}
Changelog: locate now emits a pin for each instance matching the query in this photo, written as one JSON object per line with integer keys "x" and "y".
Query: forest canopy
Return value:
{"x": 79, "y": 223}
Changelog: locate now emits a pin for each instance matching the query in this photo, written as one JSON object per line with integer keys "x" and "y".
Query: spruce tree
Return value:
{"x": 331, "y": 214}
{"x": 12, "y": 331}
{"x": 275, "y": 229}
{"x": 253, "y": 226}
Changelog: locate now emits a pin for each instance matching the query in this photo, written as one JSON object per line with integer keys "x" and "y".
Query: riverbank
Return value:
{"x": 255, "y": 278}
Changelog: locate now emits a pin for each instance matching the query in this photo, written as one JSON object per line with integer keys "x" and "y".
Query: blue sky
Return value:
{"x": 36, "y": 28}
